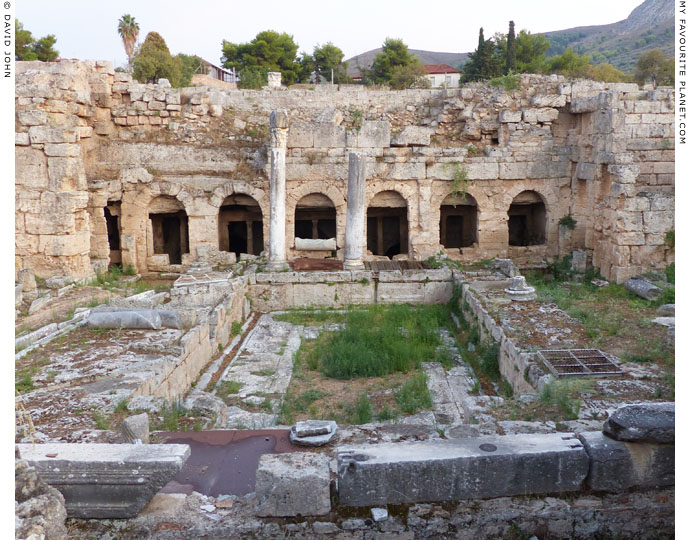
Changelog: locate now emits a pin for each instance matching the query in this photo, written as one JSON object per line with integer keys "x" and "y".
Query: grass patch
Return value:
{"x": 311, "y": 317}
{"x": 227, "y": 388}
{"x": 24, "y": 384}
{"x": 414, "y": 394}
{"x": 380, "y": 340}
{"x": 565, "y": 396}
{"x": 100, "y": 420}
{"x": 360, "y": 412}
{"x": 235, "y": 328}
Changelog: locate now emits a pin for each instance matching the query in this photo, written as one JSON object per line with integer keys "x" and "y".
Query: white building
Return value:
{"x": 442, "y": 76}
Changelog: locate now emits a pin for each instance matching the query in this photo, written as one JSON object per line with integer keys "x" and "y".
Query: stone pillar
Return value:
{"x": 276, "y": 246}
{"x": 356, "y": 208}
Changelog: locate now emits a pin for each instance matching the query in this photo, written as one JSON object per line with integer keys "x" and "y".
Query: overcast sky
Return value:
{"x": 87, "y": 29}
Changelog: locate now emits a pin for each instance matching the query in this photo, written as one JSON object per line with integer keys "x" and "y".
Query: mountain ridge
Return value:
{"x": 649, "y": 26}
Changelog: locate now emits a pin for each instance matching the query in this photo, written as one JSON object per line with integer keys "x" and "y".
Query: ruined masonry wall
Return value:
{"x": 87, "y": 136}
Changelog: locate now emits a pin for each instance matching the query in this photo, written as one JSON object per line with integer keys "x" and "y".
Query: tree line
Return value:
{"x": 502, "y": 55}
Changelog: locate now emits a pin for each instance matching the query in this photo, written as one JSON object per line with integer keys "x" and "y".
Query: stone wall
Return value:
{"x": 87, "y": 137}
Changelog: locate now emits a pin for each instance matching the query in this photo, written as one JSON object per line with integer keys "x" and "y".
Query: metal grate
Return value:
{"x": 579, "y": 363}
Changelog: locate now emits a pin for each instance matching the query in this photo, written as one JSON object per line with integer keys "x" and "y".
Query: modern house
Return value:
{"x": 442, "y": 75}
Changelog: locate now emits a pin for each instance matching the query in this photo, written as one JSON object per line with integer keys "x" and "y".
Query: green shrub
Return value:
{"x": 670, "y": 272}
{"x": 567, "y": 222}
{"x": 235, "y": 328}
{"x": 507, "y": 82}
{"x": 360, "y": 412}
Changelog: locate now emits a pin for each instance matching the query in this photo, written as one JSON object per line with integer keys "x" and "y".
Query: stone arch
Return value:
{"x": 315, "y": 217}
{"x": 299, "y": 192}
{"x": 388, "y": 222}
{"x": 458, "y": 221}
{"x": 240, "y": 225}
{"x": 527, "y": 216}
{"x": 168, "y": 227}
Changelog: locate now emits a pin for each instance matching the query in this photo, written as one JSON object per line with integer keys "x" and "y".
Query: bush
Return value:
{"x": 507, "y": 82}
{"x": 253, "y": 78}
{"x": 414, "y": 395}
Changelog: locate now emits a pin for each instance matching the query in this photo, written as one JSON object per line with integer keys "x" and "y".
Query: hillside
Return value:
{"x": 425, "y": 57}
{"x": 649, "y": 26}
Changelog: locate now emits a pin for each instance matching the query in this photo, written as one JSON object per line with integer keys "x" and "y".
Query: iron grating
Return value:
{"x": 579, "y": 363}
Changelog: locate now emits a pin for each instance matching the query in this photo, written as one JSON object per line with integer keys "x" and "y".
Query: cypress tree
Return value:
{"x": 510, "y": 49}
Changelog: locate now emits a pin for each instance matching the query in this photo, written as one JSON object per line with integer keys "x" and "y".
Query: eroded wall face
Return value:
{"x": 602, "y": 153}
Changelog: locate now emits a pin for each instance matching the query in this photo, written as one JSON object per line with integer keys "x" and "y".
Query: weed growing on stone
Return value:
{"x": 100, "y": 420}
{"x": 235, "y": 328}
{"x": 565, "y": 395}
{"x": 360, "y": 412}
{"x": 227, "y": 388}
{"x": 414, "y": 394}
{"x": 122, "y": 405}
{"x": 507, "y": 82}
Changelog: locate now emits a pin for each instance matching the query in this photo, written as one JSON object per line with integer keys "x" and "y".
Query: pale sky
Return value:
{"x": 87, "y": 29}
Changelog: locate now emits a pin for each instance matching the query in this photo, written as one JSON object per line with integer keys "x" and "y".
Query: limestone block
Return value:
{"x": 32, "y": 118}
{"x": 49, "y": 223}
{"x": 328, "y": 136}
{"x": 21, "y": 139}
{"x": 374, "y": 134}
{"x": 549, "y": 169}
{"x": 45, "y": 134}
{"x": 648, "y": 422}
{"x": 135, "y": 427}
{"x": 315, "y": 244}
{"x": 506, "y": 115}
{"x": 66, "y": 173}
{"x": 295, "y": 484}
{"x": 586, "y": 171}
{"x": 67, "y": 245}
{"x": 313, "y": 294}
{"x": 529, "y": 115}
{"x": 400, "y": 293}
{"x": 438, "y": 292}
{"x": 31, "y": 168}
{"x": 548, "y": 100}
{"x": 512, "y": 171}
{"x": 172, "y": 97}
{"x": 62, "y": 150}
{"x": 442, "y": 470}
{"x": 547, "y": 115}
{"x": 403, "y": 171}
{"x": 300, "y": 135}
{"x": 106, "y": 480}
{"x": 482, "y": 171}
{"x": 617, "y": 466}
{"x": 413, "y": 136}
{"x": 355, "y": 293}
{"x": 328, "y": 115}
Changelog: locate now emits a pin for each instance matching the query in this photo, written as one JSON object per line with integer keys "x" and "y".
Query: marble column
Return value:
{"x": 356, "y": 209}
{"x": 277, "y": 259}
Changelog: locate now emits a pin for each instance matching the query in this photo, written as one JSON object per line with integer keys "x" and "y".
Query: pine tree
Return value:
{"x": 510, "y": 49}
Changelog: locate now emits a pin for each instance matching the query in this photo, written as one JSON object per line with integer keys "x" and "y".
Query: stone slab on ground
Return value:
{"x": 617, "y": 466}
{"x": 295, "y": 484}
{"x": 648, "y": 422}
{"x": 138, "y": 319}
{"x": 643, "y": 289}
{"x": 313, "y": 432}
{"x": 106, "y": 481}
{"x": 443, "y": 470}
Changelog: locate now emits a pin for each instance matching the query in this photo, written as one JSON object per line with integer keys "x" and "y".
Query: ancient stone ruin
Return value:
{"x": 251, "y": 211}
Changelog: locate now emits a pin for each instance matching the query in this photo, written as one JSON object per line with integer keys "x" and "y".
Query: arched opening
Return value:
{"x": 240, "y": 225}
{"x": 387, "y": 224}
{"x": 112, "y": 213}
{"x": 458, "y": 225}
{"x": 169, "y": 225}
{"x": 315, "y": 217}
{"x": 527, "y": 220}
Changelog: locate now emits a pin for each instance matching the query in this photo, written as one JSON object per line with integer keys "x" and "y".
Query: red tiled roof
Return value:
{"x": 439, "y": 68}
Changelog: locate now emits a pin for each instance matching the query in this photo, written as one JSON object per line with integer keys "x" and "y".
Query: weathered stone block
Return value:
{"x": 328, "y": 136}
{"x": 296, "y": 484}
{"x": 618, "y": 466}
{"x": 506, "y": 115}
{"x": 412, "y": 136}
{"x": 548, "y": 101}
{"x": 649, "y": 422}
{"x": 146, "y": 319}
{"x": 512, "y": 171}
{"x": 32, "y": 118}
{"x": 547, "y": 114}
{"x": 45, "y": 134}
{"x": 443, "y": 470}
{"x": 300, "y": 135}
{"x": 62, "y": 150}
{"x": 106, "y": 481}
{"x": 482, "y": 171}
{"x": 374, "y": 134}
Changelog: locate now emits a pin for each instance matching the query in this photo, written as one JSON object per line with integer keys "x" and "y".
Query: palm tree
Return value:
{"x": 128, "y": 29}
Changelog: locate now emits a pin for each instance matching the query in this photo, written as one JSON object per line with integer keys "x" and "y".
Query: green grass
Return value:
{"x": 100, "y": 420}
{"x": 378, "y": 341}
{"x": 565, "y": 395}
{"x": 227, "y": 388}
{"x": 360, "y": 412}
{"x": 235, "y": 328}
{"x": 311, "y": 317}
{"x": 24, "y": 384}
{"x": 414, "y": 394}
{"x": 122, "y": 405}
{"x": 297, "y": 404}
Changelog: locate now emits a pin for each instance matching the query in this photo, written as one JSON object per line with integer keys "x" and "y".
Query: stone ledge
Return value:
{"x": 106, "y": 480}
{"x": 460, "y": 469}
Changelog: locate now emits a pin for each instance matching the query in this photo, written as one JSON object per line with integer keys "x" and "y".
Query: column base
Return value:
{"x": 353, "y": 264}
{"x": 277, "y": 266}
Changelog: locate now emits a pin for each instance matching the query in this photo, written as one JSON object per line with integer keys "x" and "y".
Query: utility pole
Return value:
{"x": 331, "y": 75}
